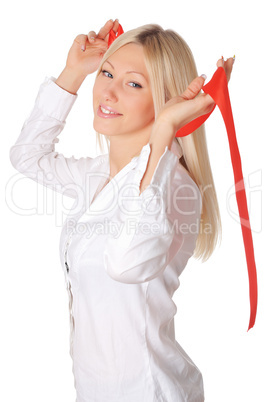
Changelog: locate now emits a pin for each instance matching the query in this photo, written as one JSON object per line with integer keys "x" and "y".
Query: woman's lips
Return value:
{"x": 106, "y": 115}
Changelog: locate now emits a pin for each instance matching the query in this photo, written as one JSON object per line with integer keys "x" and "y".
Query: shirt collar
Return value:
{"x": 175, "y": 148}
{"x": 141, "y": 160}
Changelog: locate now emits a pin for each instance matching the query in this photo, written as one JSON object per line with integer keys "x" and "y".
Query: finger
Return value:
{"x": 228, "y": 67}
{"x": 220, "y": 62}
{"x": 202, "y": 105}
{"x": 92, "y": 36}
{"x": 194, "y": 88}
{"x": 116, "y": 26}
{"x": 81, "y": 40}
{"x": 105, "y": 29}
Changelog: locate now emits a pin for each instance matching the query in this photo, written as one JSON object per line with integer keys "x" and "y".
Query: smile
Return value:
{"x": 102, "y": 112}
{"x": 107, "y": 111}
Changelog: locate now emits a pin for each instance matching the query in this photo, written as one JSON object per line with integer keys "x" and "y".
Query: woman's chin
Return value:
{"x": 105, "y": 129}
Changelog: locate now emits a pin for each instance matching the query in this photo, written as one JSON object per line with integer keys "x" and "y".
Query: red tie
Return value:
{"x": 217, "y": 88}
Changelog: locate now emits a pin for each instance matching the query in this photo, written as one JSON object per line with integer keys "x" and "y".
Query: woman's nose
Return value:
{"x": 111, "y": 92}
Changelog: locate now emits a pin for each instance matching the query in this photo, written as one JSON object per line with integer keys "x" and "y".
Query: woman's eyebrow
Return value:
{"x": 127, "y": 72}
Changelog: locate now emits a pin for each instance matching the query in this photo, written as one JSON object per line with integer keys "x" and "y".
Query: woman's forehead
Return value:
{"x": 131, "y": 53}
{"x": 129, "y": 58}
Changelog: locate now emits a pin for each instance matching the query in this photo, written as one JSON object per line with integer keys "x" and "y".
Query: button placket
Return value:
{"x": 66, "y": 253}
{"x": 69, "y": 290}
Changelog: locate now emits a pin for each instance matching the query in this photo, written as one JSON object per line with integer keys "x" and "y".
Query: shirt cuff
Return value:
{"x": 53, "y": 100}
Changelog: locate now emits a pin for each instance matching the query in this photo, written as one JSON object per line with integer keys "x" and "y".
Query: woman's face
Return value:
{"x": 123, "y": 88}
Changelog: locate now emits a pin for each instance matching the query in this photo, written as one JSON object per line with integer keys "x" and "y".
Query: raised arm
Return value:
{"x": 176, "y": 113}
{"x": 33, "y": 154}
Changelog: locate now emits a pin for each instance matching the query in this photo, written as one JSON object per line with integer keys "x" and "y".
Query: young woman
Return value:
{"x": 140, "y": 211}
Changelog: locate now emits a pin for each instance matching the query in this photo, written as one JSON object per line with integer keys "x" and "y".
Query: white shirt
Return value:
{"x": 122, "y": 253}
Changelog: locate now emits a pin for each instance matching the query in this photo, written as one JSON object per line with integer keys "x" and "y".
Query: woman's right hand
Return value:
{"x": 84, "y": 57}
{"x": 87, "y": 51}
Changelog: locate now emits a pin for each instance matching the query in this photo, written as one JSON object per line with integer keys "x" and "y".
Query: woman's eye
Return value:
{"x": 135, "y": 85}
{"x": 106, "y": 73}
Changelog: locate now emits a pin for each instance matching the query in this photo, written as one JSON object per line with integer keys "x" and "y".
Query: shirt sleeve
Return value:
{"x": 164, "y": 221}
{"x": 33, "y": 154}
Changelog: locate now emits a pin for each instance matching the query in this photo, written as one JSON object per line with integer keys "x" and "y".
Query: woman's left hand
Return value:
{"x": 180, "y": 110}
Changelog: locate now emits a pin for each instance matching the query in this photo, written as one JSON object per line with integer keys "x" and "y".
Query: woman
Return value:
{"x": 155, "y": 194}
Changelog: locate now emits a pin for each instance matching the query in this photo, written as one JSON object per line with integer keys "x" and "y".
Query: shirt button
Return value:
{"x": 67, "y": 267}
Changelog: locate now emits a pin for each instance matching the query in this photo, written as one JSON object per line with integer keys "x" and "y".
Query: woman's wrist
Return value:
{"x": 162, "y": 134}
{"x": 70, "y": 80}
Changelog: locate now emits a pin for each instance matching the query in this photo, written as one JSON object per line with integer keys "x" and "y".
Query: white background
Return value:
{"x": 213, "y": 304}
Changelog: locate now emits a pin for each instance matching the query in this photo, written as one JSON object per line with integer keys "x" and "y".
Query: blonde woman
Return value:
{"x": 139, "y": 213}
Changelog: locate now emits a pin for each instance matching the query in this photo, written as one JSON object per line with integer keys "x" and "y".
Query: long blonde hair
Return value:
{"x": 171, "y": 67}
